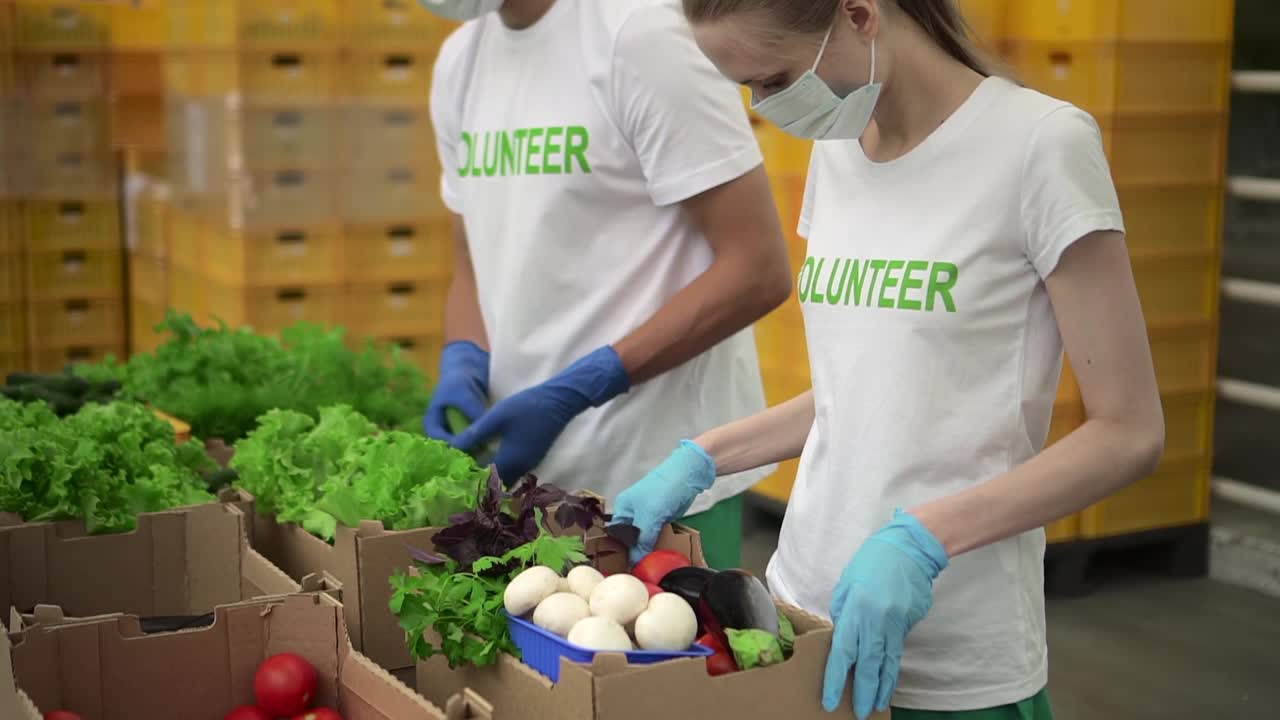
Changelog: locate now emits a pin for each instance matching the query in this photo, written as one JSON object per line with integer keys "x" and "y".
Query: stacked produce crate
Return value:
{"x": 64, "y": 178}
{"x": 13, "y": 336}
{"x": 1156, "y": 75}
{"x": 303, "y": 167}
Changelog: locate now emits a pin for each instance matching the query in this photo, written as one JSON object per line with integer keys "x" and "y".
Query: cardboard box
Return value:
{"x": 610, "y": 689}
{"x": 361, "y": 561}
{"x": 107, "y": 669}
{"x": 176, "y": 563}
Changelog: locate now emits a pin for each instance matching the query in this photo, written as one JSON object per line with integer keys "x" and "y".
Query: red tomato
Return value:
{"x": 722, "y": 663}
{"x": 248, "y": 712}
{"x": 655, "y": 566}
{"x": 285, "y": 685}
{"x": 61, "y": 715}
{"x": 653, "y": 589}
{"x": 319, "y": 714}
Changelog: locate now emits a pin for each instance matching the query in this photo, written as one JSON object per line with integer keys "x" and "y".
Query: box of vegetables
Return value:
{"x": 281, "y": 657}
{"x": 560, "y": 626}
{"x": 342, "y": 497}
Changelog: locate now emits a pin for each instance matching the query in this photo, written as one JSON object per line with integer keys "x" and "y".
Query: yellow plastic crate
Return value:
{"x": 1188, "y": 422}
{"x": 136, "y": 72}
{"x": 1064, "y": 530}
{"x": 12, "y": 276}
{"x": 269, "y": 310}
{"x": 66, "y": 74}
{"x": 85, "y": 321}
{"x": 1166, "y": 150}
{"x": 1176, "y": 494}
{"x": 1067, "y": 417}
{"x": 394, "y": 75}
{"x": 308, "y": 256}
{"x": 411, "y": 307}
{"x": 148, "y": 279}
{"x": 62, "y": 24}
{"x": 71, "y": 173}
{"x": 398, "y": 250}
{"x": 1177, "y": 287}
{"x": 1068, "y": 389}
{"x": 57, "y": 125}
{"x": 189, "y": 293}
{"x": 12, "y": 232}
{"x": 262, "y": 199}
{"x": 986, "y": 18}
{"x": 186, "y": 239}
{"x": 392, "y": 23}
{"x": 153, "y": 225}
{"x": 291, "y": 76}
{"x": 289, "y": 23}
{"x": 1147, "y": 20}
{"x": 375, "y": 135}
{"x": 139, "y": 121}
{"x": 139, "y": 24}
{"x": 50, "y": 360}
{"x": 421, "y": 350}
{"x": 144, "y": 316}
{"x": 13, "y": 327}
{"x": 74, "y": 274}
{"x": 302, "y": 136}
{"x": 379, "y": 194}
{"x": 1185, "y": 354}
{"x": 72, "y": 223}
{"x": 783, "y": 153}
{"x": 1106, "y": 78}
{"x": 1172, "y": 218}
{"x": 13, "y": 361}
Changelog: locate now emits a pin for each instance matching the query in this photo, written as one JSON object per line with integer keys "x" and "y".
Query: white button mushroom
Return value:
{"x": 668, "y": 624}
{"x": 600, "y": 633}
{"x": 560, "y": 612}
{"x": 583, "y": 579}
{"x": 621, "y": 598}
{"x": 530, "y": 588}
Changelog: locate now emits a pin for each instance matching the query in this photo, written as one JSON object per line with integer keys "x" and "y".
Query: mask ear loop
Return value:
{"x": 826, "y": 39}
{"x": 873, "y": 62}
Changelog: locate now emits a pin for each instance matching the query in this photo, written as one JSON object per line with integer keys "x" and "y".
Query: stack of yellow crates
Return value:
{"x": 66, "y": 181}
{"x": 303, "y": 167}
{"x": 1156, "y": 75}
{"x": 13, "y": 311}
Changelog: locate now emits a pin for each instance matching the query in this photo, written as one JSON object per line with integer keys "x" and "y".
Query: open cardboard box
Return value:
{"x": 175, "y": 563}
{"x": 361, "y": 561}
{"x": 106, "y": 669}
{"x": 611, "y": 689}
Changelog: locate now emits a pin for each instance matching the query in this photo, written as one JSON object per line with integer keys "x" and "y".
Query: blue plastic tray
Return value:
{"x": 542, "y": 650}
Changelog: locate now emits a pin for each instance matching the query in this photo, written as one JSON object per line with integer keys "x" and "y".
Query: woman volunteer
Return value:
{"x": 615, "y": 239}
{"x": 970, "y": 233}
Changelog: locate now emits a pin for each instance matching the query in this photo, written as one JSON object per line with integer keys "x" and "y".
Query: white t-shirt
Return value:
{"x": 567, "y": 148}
{"x": 935, "y": 358}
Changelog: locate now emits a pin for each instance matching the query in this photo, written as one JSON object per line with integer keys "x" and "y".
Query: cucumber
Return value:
{"x": 458, "y": 423}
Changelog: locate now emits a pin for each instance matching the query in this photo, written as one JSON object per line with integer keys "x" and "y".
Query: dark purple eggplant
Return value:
{"x": 688, "y": 583}
{"x": 737, "y": 600}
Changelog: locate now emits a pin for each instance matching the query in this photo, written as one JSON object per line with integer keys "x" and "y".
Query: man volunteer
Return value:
{"x": 615, "y": 239}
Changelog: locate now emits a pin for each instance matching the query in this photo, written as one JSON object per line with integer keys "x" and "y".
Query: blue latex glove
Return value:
{"x": 664, "y": 495}
{"x": 463, "y": 385}
{"x": 884, "y": 591}
{"x": 529, "y": 422}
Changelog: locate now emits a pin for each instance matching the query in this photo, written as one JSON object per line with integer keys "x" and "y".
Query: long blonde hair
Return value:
{"x": 941, "y": 20}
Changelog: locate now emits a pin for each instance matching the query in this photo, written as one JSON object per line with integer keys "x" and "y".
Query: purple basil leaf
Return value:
{"x": 566, "y": 516}
{"x": 628, "y": 535}
{"x": 424, "y": 557}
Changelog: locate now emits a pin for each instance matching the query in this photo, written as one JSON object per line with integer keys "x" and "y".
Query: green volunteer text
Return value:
{"x": 526, "y": 151}
{"x": 890, "y": 284}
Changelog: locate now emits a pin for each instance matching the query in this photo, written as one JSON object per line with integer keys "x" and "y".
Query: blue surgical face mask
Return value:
{"x": 462, "y": 10}
{"x": 809, "y": 109}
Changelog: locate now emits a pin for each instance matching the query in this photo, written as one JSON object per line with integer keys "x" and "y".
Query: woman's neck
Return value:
{"x": 522, "y": 14}
{"x": 927, "y": 87}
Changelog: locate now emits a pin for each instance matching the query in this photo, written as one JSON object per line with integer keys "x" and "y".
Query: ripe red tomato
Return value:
{"x": 655, "y": 566}
{"x": 653, "y": 589}
{"x": 319, "y": 714}
{"x": 248, "y": 712}
{"x": 722, "y": 663}
{"x": 61, "y": 715}
{"x": 285, "y": 685}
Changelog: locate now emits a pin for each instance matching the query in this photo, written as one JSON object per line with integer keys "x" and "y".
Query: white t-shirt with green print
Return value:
{"x": 567, "y": 149}
{"x": 935, "y": 360}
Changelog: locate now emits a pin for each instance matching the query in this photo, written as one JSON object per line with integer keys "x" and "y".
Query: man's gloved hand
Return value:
{"x": 463, "y": 386}
{"x": 884, "y": 591}
{"x": 665, "y": 494}
{"x": 528, "y": 423}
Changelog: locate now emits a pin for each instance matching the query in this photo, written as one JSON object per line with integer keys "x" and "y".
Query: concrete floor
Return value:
{"x": 1147, "y": 648}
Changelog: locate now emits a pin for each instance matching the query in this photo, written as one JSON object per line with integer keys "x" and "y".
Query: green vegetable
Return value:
{"x": 342, "y": 469}
{"x": 104, "y": 464}
{"x": 458, "y": 423}
{"x": 786, "y": 634}
{"x": 464, "y": 607}
{"x": 755, "y": 648}
{"x": 221, "y": 380}
{"x": 63, "y": 392}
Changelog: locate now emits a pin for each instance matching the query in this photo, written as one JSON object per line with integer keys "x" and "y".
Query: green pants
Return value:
{"x": 721, "y": 529}
{"x": 1033, "y": 708}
